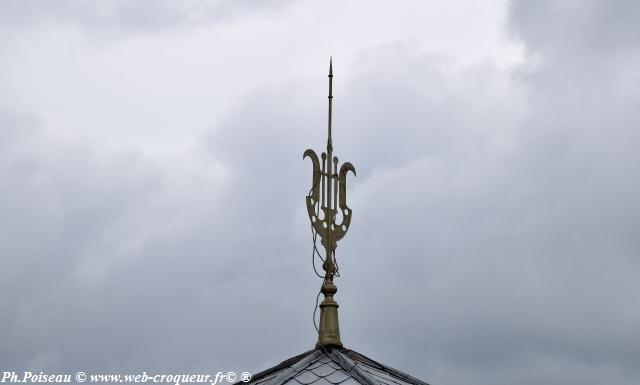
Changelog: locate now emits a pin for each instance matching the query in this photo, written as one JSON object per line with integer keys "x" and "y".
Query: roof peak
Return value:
{"x": 332, "y": 366}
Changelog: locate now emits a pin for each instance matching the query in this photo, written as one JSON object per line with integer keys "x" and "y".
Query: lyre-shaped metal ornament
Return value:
{"x": 328, "y": 196}
{"x": 329, "y": 193}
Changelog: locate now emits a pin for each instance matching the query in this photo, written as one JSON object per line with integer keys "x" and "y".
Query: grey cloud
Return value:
{"x": 125, "y": 16}
{"x": 594, "y": 38}
{"x": 575, "y": 26}
{"x": 112, "y": 261}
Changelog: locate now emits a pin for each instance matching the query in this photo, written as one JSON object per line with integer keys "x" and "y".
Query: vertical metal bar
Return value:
{"x": 334, "y": 179}
{"x": 323, "y": 177}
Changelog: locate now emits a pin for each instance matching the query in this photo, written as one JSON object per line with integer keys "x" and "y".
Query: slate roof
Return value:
{"x": 332, "y": 366}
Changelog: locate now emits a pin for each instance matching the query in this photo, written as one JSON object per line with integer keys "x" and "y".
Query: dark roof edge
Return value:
{"x": 286, "y": 363}
{"x": 395, "y": 372}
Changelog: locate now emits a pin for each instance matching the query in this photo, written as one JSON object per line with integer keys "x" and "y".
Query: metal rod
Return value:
{"x": 329, "y": 143}
{"x": 322, "y": 178}
{"x": 334, "y": 180}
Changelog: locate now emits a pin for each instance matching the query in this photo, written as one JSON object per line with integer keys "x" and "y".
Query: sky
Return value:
{"x": 152, "y": 185}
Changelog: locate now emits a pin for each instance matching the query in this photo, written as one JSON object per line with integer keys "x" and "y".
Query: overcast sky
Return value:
{"x": 152, "y": 185}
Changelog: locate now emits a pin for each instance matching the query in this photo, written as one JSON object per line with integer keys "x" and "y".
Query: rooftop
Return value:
{"x": 332, "y": 366}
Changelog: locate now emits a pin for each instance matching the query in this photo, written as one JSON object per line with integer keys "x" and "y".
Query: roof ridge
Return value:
{"x": 284, "y": 364}
{"x": 394, "y": 371}
{"x": 351, "y": 367}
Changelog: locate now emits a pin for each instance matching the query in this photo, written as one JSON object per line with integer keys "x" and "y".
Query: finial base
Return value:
{"x": 329, "y": 331}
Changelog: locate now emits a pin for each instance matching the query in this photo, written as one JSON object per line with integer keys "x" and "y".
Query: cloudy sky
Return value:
{"x": 152, "y": 185}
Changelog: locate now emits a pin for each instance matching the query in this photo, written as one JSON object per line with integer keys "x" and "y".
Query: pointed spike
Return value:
{"x": 329, "y": 143}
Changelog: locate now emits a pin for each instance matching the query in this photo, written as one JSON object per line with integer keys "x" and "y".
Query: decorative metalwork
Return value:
{"x": 328, "y": 196}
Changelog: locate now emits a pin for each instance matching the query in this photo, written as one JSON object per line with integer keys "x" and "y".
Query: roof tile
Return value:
{"x": 306, "y": 377}
{"x": 323, "y": 370}
{"x": 337, "y": 377}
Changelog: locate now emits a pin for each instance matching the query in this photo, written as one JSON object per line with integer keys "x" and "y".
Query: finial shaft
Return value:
{"x": 329, "y": 143}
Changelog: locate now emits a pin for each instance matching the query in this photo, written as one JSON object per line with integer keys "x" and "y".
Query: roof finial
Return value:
{"x": 329, "y": 194}
{"x": 329, "y": 143}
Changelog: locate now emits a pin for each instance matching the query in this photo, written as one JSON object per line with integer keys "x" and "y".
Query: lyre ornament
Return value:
{"x": 329, "y": 192}
{"x": 328, "y": 195}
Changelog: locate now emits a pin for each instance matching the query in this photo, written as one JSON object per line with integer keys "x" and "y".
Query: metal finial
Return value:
{"x": 329, "y": 143}
{"x": 328, "y": 196}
